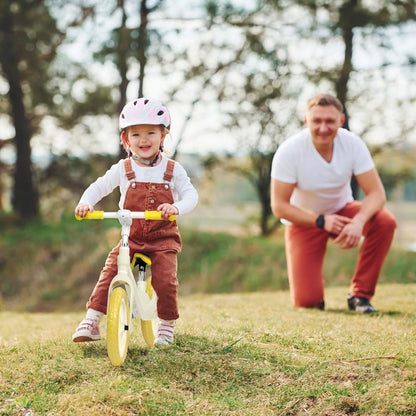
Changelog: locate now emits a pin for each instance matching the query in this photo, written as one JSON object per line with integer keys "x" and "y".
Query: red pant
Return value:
{"x": 164, "y": 281}
{"x": 305, "y": 251}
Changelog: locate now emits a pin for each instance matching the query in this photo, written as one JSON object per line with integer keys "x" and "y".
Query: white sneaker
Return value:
{"x": 88, "y": 330}
{"x": 165, "y": 333}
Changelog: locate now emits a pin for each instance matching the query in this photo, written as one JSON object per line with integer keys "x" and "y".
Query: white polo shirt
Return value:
{"x": 322, "y": 187}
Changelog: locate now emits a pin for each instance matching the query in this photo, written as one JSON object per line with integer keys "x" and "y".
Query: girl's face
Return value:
{"x": 145, "y": 140}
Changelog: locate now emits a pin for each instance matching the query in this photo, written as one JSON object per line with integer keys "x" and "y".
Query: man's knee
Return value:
{"x": 386, "y": 221}
{"x": 308, "y": 300}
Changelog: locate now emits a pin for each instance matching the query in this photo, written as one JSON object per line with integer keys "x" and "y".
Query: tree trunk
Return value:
{"x": 347, "y": 24}
{"x": 25, "y": 197}
{"x": 261, "y": 181}
{"x": 123, "y": 48}
{"x": 144, "y": 11}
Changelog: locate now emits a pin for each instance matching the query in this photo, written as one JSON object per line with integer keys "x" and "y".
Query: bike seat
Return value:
{"x": 140, "y": 259}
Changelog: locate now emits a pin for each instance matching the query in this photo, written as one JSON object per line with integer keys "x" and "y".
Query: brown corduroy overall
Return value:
{"x": 160, "y": 240}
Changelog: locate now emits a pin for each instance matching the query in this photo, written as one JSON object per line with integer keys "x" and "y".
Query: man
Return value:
{"x": 311, "y": 193}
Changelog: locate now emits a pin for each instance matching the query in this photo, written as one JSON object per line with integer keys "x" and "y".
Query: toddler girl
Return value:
{"x": 148, "y": 180}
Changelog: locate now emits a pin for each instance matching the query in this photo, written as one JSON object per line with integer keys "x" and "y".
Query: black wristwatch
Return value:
{"x": 320, "y": 221}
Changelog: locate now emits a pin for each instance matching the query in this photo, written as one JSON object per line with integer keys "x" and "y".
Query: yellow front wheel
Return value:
{"x": 118, "y": 316}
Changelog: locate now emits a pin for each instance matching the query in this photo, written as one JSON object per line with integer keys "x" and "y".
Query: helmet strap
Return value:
{"x": 145, "y": 161}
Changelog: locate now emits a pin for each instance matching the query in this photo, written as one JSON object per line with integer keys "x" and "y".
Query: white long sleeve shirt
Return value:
{"x": 184, "y": 193}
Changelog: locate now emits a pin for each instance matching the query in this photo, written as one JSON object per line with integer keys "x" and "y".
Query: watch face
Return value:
{"x": 320, "y": 221}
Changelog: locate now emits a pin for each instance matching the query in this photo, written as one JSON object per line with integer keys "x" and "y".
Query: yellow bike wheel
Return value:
{"x": 148, "y": 332}
{"x": 149, "y": 327}
{"x": 118, "y": 316}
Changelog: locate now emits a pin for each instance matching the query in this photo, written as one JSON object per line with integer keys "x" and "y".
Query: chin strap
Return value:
{"x": 144, "y": 161}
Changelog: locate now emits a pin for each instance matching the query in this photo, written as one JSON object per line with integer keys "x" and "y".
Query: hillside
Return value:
{"x": 54, "y": 266}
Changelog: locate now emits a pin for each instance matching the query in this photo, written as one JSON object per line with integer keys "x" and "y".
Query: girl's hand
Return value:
{"x": 83, "y": 209}
{"x": 167, "y": 210}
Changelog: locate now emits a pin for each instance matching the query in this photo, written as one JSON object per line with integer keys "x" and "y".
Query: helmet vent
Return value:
{"x": 122, "y": 116}
{"x": 135, "y": 102}
{"x": 160, "y": 113}
{"x": 146, "y": 101}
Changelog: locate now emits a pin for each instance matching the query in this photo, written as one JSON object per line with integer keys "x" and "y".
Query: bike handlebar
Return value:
{"x": 146, "y": 215}
{"x": 96, "y": 215}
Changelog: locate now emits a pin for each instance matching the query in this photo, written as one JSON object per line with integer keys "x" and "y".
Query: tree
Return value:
{"x": 261, "y": 87}
{"x": 246, "y": 78}
{"x": 3, "y": 170}
{"x": 344, "y": 19}
{"x": 25, "y": 198}
{"x": 39, "y": 85}
{"x": 128, "y": 47}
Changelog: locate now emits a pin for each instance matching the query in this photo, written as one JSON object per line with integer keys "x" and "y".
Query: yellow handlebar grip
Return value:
{"x": 153, "y": 215}
{"x": 157, "y": 215}
{"x": 96, "y": 215}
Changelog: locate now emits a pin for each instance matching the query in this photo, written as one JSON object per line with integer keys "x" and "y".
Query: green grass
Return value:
{"x": 234, "y": 354}
{"x": 245, "y": 353}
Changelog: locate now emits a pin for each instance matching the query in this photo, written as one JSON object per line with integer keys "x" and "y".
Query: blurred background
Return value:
{"x": 236, "y": 76}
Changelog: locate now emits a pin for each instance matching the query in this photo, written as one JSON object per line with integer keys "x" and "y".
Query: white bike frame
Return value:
{"x": 141, "y": 305}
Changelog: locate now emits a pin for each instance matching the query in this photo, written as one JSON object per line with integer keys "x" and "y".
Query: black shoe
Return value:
{"x": 360, "y": 304}
{"x": 322, "y": 306}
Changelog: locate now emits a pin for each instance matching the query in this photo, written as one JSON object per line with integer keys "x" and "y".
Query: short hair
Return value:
{"x": 325, "y": 99}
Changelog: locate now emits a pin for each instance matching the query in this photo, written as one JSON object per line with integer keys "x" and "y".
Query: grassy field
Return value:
{"x": 234, "y": 354}
{"x": 245, "y": 353}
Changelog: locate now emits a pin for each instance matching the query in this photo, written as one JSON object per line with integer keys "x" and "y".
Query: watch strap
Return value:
{"x": 320, "y": 221}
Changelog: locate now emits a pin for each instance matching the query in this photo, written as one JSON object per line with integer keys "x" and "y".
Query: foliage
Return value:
{"x": 256, "y": 169}
{"x": 250, "y": 66}
{"x": 266, "y": 78}
{"x": 64, "y": 180}
{"x": 367, "y": 89}
{"x": 240, "y": 354}
{"x": 60, "y": 87}
{"x": 36, "y": 84}
{"x": 251, "y": 77}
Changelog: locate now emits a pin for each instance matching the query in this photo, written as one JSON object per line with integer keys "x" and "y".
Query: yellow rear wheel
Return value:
{"x": 148, "y": 332}
{"x": 149, "y": 327}
{"x": 118, "y": 316}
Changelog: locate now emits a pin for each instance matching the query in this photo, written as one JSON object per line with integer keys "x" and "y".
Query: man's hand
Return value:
{"x": 350, "y": 235}
{"x": 334, "y": 223}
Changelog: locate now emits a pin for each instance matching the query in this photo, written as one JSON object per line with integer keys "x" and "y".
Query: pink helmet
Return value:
{"x": 144, "y": 111}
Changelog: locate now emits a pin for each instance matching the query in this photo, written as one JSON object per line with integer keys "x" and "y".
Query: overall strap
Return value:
{"x": 129, "y": 169}
{"x": 169, "y": 171}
